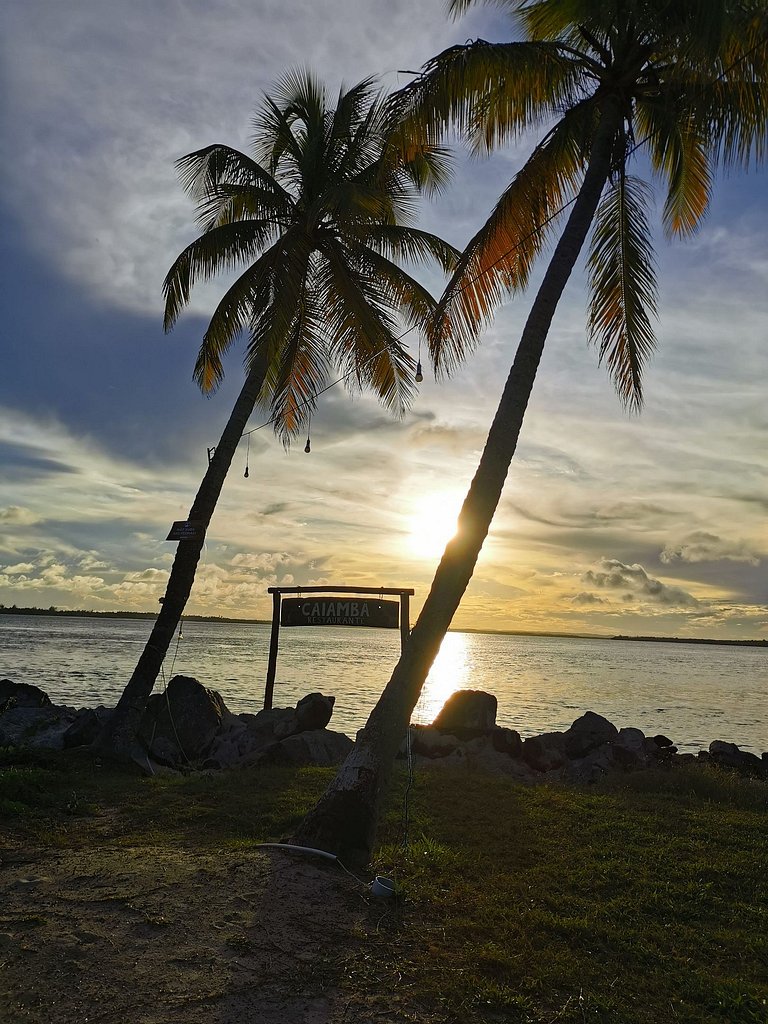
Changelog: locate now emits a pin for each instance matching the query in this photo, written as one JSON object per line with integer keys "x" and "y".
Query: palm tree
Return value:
{"x": 682, "y": 82}
{"x": 318, "y": 215}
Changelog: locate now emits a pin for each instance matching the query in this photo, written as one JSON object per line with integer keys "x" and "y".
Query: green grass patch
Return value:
{"x": 639, "y": 901}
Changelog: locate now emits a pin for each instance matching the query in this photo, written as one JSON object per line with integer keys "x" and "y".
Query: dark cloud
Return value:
{"x": 587, "y": 598}
{"x": 23, "y": 462}
{"x": 110, "y": 376}
{"x": 636, "y": 584}
{"x": 708, "y": 547}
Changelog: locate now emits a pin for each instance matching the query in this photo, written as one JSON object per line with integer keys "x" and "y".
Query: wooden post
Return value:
{"x": 272, "y": 663}
{"x": 405, "y": 620}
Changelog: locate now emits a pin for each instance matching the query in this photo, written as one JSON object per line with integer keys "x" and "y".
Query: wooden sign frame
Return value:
{"x": 404, "y": 594}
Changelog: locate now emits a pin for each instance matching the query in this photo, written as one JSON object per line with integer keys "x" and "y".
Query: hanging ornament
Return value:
{"x": 419, "y": 375}
{"x": 307, "y": 446}
{"x": 247, "y": 457}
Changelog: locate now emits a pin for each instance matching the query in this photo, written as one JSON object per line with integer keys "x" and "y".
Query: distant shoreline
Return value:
{"x": 90, "y": 614}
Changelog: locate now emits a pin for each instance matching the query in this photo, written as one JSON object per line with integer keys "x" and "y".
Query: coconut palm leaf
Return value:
{"x": 222, "y": 248}
{"x": 622, "y": 284}
{"x": 500, "y": 256}
{"x": 489, "y": 91}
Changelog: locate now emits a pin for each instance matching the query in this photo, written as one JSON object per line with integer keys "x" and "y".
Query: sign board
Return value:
{"x": 336, "y": 611}
{"x": 187, "y": 529}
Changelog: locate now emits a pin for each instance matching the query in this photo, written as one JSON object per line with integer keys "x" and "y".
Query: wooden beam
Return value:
{"x": 340, "y": 590}
{"x": 269, "y": 688}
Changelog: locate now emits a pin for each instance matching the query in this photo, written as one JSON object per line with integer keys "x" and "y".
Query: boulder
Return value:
{"x": 314, "y": 712}
{"x": 594, "y": 765}
{"x": 662, "y": 741}
{"x": 22, "y": 695}
{"x": 85, "y": 727}
{"x": 546, "y": 752}
{"x": 315, "y": 746}
{"x": 467, "y": 713}
{"x": 36, "y": 726}
{"x": 430, "y": 742}
{"x": 629, "y": 750}
{"x": 587, "y": 733}
{"x": 507, "y": 741}
{"x": 188, "y": 714}
{"x": 731, "y": 756}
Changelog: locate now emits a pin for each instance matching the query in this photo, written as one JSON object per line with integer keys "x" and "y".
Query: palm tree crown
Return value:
{"x": 317, "y": 215}
{"x": 690, "y": 85}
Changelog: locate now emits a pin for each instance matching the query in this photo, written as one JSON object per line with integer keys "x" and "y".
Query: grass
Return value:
{"x": 640, "y": 901}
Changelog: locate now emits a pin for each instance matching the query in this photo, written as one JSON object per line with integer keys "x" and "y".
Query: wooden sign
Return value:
{"x": 336, "y": 611}
{"x": 187, "y": 529}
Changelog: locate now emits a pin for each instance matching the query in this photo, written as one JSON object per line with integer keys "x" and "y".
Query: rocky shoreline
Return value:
{"x": 190, "y": 726}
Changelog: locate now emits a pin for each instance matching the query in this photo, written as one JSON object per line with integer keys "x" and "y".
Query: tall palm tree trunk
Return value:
{"x": 345, "y": 818}
{"x": 118, "y": 737}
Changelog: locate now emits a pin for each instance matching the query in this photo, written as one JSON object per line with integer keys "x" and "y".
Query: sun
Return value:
{"x": 432, "y": 523}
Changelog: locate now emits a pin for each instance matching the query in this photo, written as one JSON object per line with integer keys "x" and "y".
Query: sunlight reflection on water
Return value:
{"x": 693, "y": 694}
{"x": 449, "y": 672}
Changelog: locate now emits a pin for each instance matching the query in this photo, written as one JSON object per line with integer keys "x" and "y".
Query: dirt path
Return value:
{"x": 140, "y": 935}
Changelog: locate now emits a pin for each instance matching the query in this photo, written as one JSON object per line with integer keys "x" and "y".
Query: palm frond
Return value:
{"x": 253, "y": 290}
{"x": 399, "y": 242}
{"x": 499, "y": 258}
{"x": 362, "y": 330}
{"x": 623, "y": 286}
{"x": 488, "y": 91}
{"x": 202, "y": 172}
{"x": 299, "y": 367}
{"x": 679, "y": 153}
{"x": 221, "y": 248}
{"x": 230, "y": 203}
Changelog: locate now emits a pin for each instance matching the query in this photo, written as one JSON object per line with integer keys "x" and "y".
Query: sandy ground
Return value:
{"x": 148, "y": 936}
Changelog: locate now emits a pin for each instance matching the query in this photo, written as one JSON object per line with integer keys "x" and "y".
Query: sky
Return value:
{"x": 610, "y": 522}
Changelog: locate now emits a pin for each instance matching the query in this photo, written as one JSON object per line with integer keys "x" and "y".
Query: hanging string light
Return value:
{"x": 247, "y": 457}
{"x": 308, "y": 446}
{"x": 419, "y": 375}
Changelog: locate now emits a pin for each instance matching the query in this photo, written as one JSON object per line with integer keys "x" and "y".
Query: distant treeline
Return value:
{"x": 693, "y": 640}
{"x": 88, "y": 613}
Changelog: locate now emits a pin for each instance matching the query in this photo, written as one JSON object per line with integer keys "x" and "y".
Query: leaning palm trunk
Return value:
{"x": 345, "y": 818}
{"x": 118, "y": 737}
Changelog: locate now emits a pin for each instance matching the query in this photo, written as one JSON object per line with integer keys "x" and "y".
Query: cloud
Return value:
{"x": 708, "y": 547}
{"x": 587, "y": 598}
{"x": 636, "y": 584}
{"x": 18, "y": 516}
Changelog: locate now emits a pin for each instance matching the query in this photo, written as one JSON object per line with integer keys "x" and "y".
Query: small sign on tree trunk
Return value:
{"x": 187, "y": 529}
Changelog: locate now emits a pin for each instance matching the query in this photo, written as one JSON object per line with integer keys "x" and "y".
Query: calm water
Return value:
{"x": 692, "y": 694}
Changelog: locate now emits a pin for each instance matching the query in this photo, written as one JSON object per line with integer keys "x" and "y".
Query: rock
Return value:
{"x": 315, "y": 746}
{"x": 85, "y": 727}
{"x": 22, "y": 695}
{"x": 314, "y": 711}
{"x": 629, "y": 749}
{"x": 430, "y": 742}
{"x": 632, "y": 739}
{"x": 507, "y": 741}
{"x": 545, "y": 752}
{"x": 587, "y": 733}
{"x": 187, "y": 714}
{"x": 731, "y": 756}
{"x": 467, "y": 713}
{"x": 662, "y": 741}
{"x": 593, "y": 766}
{"x": 166, "y": 751}
{"x": 36, "y": 726}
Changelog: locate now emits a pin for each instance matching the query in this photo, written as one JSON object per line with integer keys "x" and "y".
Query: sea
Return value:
{"x": 691, "y": 693}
